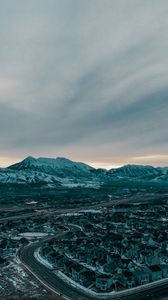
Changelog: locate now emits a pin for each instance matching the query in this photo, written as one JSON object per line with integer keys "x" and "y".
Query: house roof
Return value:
{"x": 114, "y": 255}
{"x": 69, "y": 263}
{"x": 155, "y": 268}
{"x": 77, "y": 268}
{"x": 88, "y": 273}
{"x": 128, "y": 273}
{"x": 105, "y": 276}
{"x": 163, "y": 266}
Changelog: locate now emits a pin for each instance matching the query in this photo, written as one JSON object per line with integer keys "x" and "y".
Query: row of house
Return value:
{"x": 126, "y": 274}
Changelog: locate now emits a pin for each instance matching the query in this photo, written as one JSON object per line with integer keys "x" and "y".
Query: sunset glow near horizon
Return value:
{"x": 145, "y": 160}
{"x": 86, "y": 80}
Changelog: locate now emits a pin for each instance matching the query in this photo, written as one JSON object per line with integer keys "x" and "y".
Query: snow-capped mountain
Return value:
{"x": 10, "y": 176}
{"x": 62, "y": 171}
{"x": 61, "y": 167}
{"x": 49, "y": 171}
{"x": 137, "y": 171}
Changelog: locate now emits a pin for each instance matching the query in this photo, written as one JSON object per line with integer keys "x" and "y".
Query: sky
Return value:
{"x": 84, "y": 79}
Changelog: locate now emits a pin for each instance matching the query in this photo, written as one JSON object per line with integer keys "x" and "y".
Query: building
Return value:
{"x": 104, "y": 282}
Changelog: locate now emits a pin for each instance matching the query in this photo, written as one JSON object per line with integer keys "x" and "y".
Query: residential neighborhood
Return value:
{"x": 104, "y": 250}
{"x": 113, "y": 249}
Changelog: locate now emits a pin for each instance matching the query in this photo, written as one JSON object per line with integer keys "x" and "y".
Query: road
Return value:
{"x": 60, "y": 211}
{"x": 57, "y": 285}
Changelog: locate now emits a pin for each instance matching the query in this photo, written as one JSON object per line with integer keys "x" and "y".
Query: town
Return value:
{"x": 113, "y": 249}
{"x": 103, "y": 250}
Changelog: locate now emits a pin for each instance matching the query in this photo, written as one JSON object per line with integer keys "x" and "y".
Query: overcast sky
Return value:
{"x": 84, "y": 79}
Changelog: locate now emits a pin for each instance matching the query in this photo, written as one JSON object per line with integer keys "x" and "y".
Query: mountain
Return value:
{"x": 62, "y": 171}
{"x": 50, "y": 171}
{"x": 137, "y": 171}
{"x": 9, "y": 176}
{"x": 59, "y": 166}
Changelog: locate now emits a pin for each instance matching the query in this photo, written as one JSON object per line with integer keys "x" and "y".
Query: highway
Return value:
{"x": 40, "y": 214}
{"x": 58, "y": 286}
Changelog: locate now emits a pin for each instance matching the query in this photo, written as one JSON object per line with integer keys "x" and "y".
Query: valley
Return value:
{"x": 121, "y": 217}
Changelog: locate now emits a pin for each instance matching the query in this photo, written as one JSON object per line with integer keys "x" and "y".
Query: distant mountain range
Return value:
{"x": 62, "y": 171}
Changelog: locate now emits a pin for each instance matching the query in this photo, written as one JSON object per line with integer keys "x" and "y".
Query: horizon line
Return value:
{"x": 96, "y": 165}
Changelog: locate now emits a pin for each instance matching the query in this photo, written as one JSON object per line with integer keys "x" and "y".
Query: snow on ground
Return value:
{"x": 73, "y": 283}
{"x": 79, "y": 286}
{"x": 93, "y": 211}
{"x": 100, "y": 269}
{"x": 33, "y": 234}
{"x": 18, "y": 269}
{"x": 41, "y": 259}
{"x": 15, "y": 283}
{"x": 17, "y": 275}
{"x": 70, "y": 214}
{"x": 75, "y": 226}
{"x": 32, "y": 202}
{"x": 63, "y": 276}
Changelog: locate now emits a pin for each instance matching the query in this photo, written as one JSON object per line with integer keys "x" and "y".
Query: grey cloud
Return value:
{"x": 84, "y": 74}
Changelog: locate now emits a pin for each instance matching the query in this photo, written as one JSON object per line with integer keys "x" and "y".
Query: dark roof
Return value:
{"x": 127, "y": 273}
{"x": 164, "y": 266}
{"x": 126, "y": 260}
{"x": 69, "y": 263}
{"x": 155, "y": 268}
{"x": 77, "y": 268}
{"x": 151, "y": 247}
{"x": 114, "y": 255}
{"x": 88, "y": 273}
{"x": 56, "y": 255}
{"x": 136, "y": 235}
{"x": 105, "y": 276}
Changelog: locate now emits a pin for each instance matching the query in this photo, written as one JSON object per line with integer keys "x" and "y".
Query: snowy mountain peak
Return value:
{"x": 24, "y": 164}
{"x": 60, "y": 170}
{"x": 59, "y": 166}
{"x": 136, "y": 171}
{"x": 29, "y": 159}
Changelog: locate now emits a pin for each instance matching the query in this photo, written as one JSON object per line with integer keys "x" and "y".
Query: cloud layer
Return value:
{"x": 84, "y": 79}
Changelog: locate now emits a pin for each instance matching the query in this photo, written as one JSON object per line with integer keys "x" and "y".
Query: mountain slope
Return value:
{"x": 56, "y": 171}
{"x": 62, "y": 167}
{"x": 137, "y": 171}
{"x": 8, "y": 176}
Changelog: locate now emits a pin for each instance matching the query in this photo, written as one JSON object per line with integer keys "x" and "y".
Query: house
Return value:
{"x": 136, "y": 236}
{"x": 136, "y": 256}
{"x": 155, "y": 272}
{"x": 2, "y": 261}
{"x": 164, "y": 269}
{"x": 128, "y": 279}
{"x": 87, "y": 277}
{"x": 68, "y": 266}
{"x": 113, "y": 257}
{"x": 104, "y": 282}
{"x": 46, "y": 250}
{"x": 153, "y": 255}
{"x": 142, "y": 275}
{"x": 82, "y": 255}
{"x": 125, "y": 262}
{"x": 76, "y": 270}
{"x": 57, "y": 259}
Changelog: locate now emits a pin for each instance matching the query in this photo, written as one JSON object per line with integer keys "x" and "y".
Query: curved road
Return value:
{"x": 57, "y": 285}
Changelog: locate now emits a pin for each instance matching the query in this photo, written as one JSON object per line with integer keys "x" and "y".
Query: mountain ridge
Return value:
{"x": 33, "y": 159}
{"x": 63, "y": 171}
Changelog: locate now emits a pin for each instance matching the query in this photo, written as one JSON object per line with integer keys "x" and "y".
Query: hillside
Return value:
{"x": 62, "y": 171}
